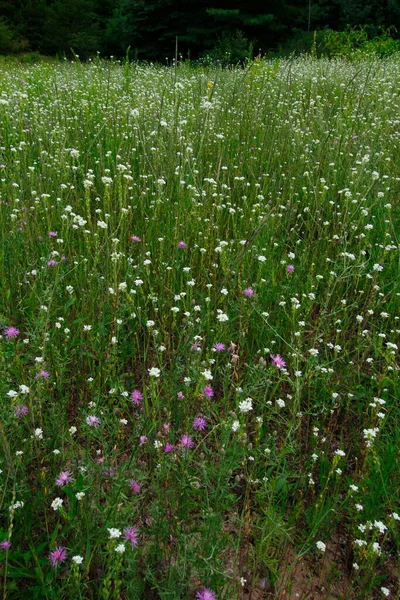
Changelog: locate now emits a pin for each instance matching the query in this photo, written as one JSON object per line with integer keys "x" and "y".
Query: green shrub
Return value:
{"x": 9, "y": 42}
{"x": 232, "y": 48}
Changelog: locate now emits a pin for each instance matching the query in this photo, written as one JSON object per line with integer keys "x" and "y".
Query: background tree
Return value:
{"x": 150, "y": 27}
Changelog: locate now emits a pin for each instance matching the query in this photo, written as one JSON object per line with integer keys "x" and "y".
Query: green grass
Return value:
{"x": 283, "y": 163}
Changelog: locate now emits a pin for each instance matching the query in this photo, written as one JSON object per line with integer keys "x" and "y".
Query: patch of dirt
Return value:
{"x": 301, "y": 578}
{"x": 324, "y": 579}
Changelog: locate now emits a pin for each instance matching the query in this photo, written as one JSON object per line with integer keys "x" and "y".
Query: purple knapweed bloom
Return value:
{"x": 131, "y": 535}
{"x": 11, "y": 332}
{"x": 206, "y": 594}
{"x": 92, "y": 421}
{"x": 64, "y": 478}
{"x": 21, "y": 411}
{"x": 208, "y": 391}
{"x": 278, "y": 361}
{"x": 290, "y": 269}
{"x": 52, "y": 234}
{"x": 182, "y": 245}
{"x": 168, "y": 448}
{"x": 109, "y": 472}
{"x": 52, "y": 263}
{"x": 187, "y": 441}
{"x": 199, "y": 424}
{"x": 58, "y": 556}
{"x": 6, "y": 545}
{"x": 249, "y": 292}
{"x": 219, "y": 347}
{"x": 135, "y": 486}
{"x": 135, "y": 238}
{"x": 136, "y": 397}
{"x": 43, "y": 375}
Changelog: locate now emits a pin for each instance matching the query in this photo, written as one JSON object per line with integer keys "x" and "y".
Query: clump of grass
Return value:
{"x": 199, "y": 322}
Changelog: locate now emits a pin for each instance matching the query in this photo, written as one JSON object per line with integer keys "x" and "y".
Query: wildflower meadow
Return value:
{"x": 199, "y": 330}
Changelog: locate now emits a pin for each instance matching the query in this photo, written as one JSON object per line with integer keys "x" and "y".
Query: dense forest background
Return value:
{"x": 149, "y": 27}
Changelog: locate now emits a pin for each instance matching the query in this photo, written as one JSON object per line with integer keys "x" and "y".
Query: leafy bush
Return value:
{"x": 9, "y": 42}
{"x": 364, "y": 40}
{"x": 232, "y": 48}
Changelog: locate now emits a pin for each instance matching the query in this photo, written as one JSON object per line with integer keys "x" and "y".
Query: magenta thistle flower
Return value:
{"x": 249, "y": 292}
{"x": 208, "y": 391}
{"x": 136, "y": 397}
{"x": 52, "y": 263}
{"x": 21, "y": 411}
{"x": 131, "y": 535}
{"x": 135, "y": 238}
{"x": 64, "y": 478}
{"x": 110, "y": 472}
{"x": 6, "y": 545}
{"x": 92, "y": 421}
{"x": 58, "y": 556}
{"x": 187, "y": 441}
{"x": 182, "y": 245}
{"x": 168, "y": 448}
{"x": 219, "y": 346}
{"x": 290, "y": 269}
{"x": 135, "y": 486}
{"x": 206, "y": 594}
{"x": 11, "y": 332}
{"x": 43, "y": 375}
{"x": 199, "y": 424}
{"x": 278, "y": 361}
{"x": 52, "y": 234}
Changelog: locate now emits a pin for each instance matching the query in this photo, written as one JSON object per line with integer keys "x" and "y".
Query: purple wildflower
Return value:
{"x": 43, "y": 375}
{"x": 135, "y": 486}
{"x": 219, "y": 347}
{"x": 52, "y": 234}
{"x": 182, "y": 245}
{"x": 142, "y": 440}
{"x": 206, "y": 594}
{"x": 187, "y": 441}
{"x": 180, "y": 396}
{"x": 92, "y": 421}
{"x": 200, "y": 424}
{"x": 168, "y": 448}
{"x": 6, "y": 545}
{"x": 64, "y": 478}
{"x": 109, "y": 472}
{"x": 196, "y": 346}
{"x": 11, "y": 332}
{"x": 135, "y": 238}
{"x": 131, "y": 535}
{"x": 208, "y": 391}
{"x": 58, "y": 556}
{"x": 52, "y": 263}
{"x": 278, "y": 361}
{"x": 21, "y": 411}
{"x": 290, "y": 269}
{"x": 249, "y": 292}
{"x": 136, "y": 397}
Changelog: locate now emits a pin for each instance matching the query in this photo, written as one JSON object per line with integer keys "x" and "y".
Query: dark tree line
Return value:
{"x": 150, "y": 27}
